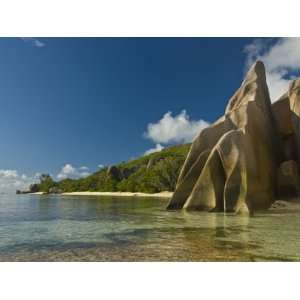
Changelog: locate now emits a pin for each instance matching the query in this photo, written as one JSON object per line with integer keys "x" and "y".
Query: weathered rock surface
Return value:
{"x": 55, "y": 190}
{"x": 152, "y": 161}
{"x": 114, "y": 173}
{"x": 240, "y": 162}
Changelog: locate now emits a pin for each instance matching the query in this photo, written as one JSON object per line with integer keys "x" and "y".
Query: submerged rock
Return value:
{"x": 291, "y": 206}
{"x": 236, "y": 164}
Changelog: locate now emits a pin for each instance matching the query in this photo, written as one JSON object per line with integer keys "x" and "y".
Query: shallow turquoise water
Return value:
{"x": 77, "y": 228}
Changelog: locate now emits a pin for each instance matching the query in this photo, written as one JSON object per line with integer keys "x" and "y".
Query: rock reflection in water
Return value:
{"x": 54, "y": 228}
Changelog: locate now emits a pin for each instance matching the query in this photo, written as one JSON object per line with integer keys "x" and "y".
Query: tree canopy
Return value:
{"x": 151, "y": 173}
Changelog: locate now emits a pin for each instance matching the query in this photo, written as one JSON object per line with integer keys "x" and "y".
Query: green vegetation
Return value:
{"x": 151, "y": 173}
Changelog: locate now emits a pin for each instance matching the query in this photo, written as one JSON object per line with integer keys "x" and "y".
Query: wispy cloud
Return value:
{"x": 68, "y": 171}
{"x": 33, "y": 41}
{"x": 83, "y": 168}
{"x": 157, "y": 148}
{"x": 281, "y": 58}
{"x": 177, "y": 129}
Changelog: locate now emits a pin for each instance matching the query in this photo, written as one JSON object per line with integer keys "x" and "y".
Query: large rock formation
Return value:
{"x": 244, "y": 160}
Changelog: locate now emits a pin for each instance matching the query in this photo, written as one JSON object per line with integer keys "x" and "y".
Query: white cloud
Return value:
{"x": 157, "y": 148}
{"x": 37, "y": 175}
{"x": 281, "y": 59}
{"x": 68, "y": 171}
{"x": 84, "y": 174}
{"x": 84, "y": 168}
{"x": 100, "y": 166}
{"x": 9, "y": 174}
{"x": 34, "y": 42}
{"x": 177, "y": 129}
{"x": 11, "y": 180}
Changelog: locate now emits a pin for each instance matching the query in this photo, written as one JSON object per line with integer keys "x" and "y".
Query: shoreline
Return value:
{"x": 117, "y": 194}
{"x": 36, "y": 193}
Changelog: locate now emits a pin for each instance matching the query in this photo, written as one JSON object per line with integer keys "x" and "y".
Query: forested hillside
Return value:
{"x": 151, "y": 173}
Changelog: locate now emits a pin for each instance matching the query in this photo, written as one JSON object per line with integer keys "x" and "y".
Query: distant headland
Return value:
{"x": 149, "y": 175}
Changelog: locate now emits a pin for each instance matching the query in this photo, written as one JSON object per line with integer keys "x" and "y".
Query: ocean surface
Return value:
{"x": 92, "y": 228}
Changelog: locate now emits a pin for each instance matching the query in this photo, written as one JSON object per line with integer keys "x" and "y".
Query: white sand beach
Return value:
{"x": 120, "y": 194}
{"x": 37, "y": 193}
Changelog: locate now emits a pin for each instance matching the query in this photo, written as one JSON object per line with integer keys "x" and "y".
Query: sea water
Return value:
{"x": 95, "y": 228}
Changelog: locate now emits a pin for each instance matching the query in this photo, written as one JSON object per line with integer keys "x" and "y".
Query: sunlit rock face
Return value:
{"x": 236, "y": 164}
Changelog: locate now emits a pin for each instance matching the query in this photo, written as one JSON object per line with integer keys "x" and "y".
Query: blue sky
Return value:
{"x": 89, "y": 101}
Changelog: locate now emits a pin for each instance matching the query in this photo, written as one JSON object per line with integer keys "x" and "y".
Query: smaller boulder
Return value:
{"x": 55, "y": 190}
{"x": 288, "y": 180}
